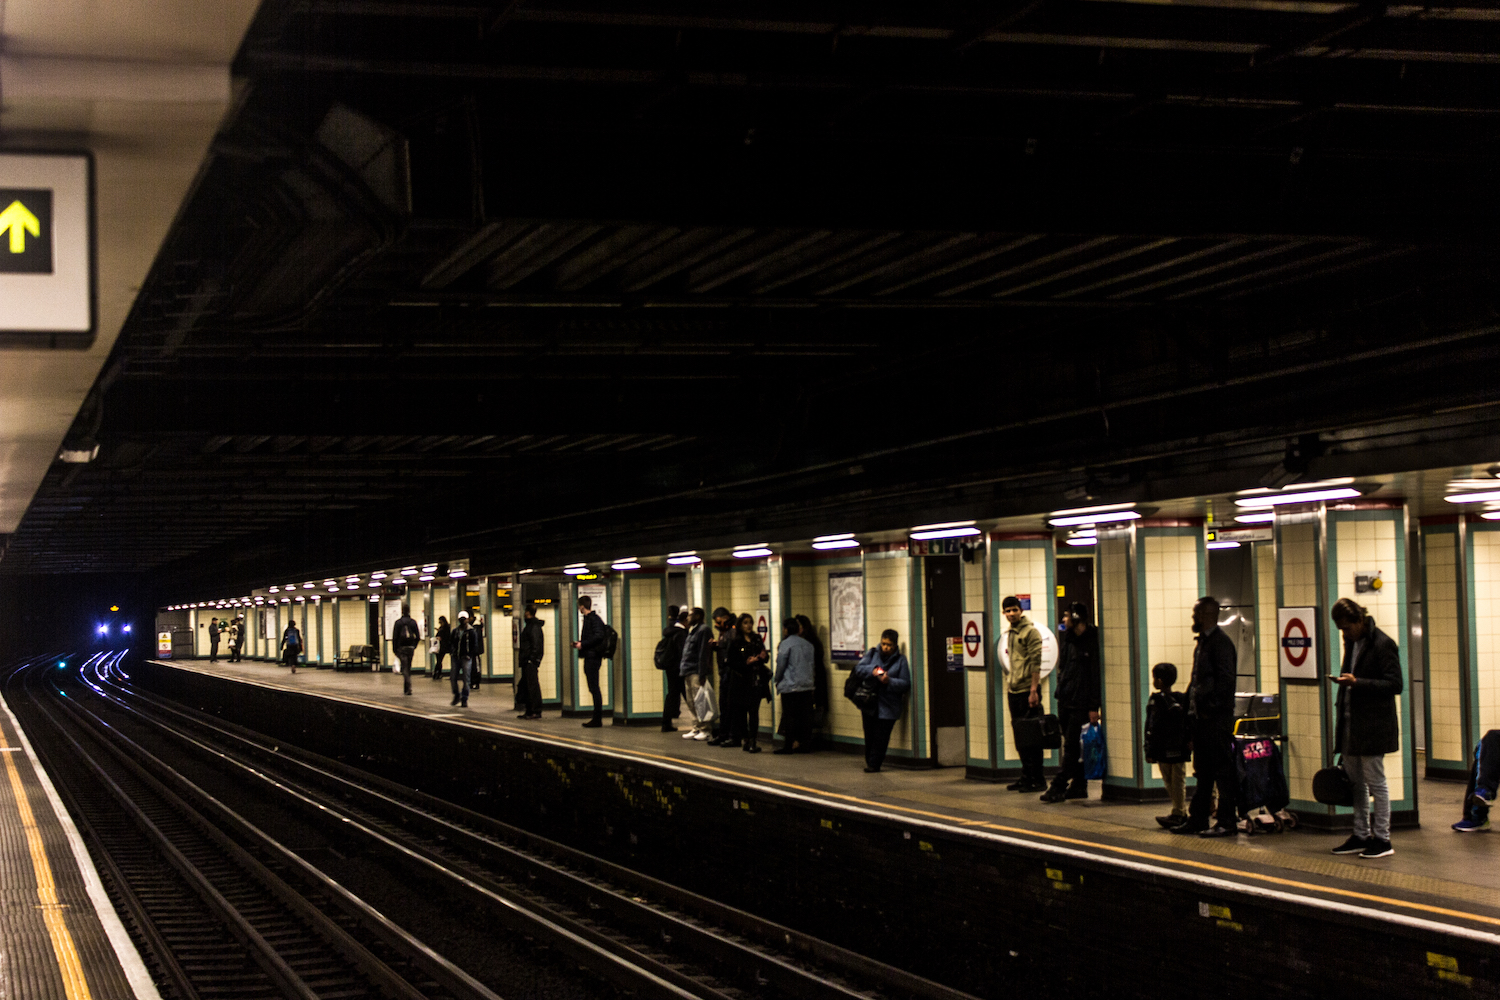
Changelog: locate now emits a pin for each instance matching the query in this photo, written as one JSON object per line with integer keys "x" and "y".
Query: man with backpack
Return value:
{"x": 592, "y": 645}
{"x": 405, "y": 638}
{"x": 668, "y": 658}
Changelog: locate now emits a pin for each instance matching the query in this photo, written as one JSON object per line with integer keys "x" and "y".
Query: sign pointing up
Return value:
{"x": 26, "y": 226}
{"x": 47, "y": 293}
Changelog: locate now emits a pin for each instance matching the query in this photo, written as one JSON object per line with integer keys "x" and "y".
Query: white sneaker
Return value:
{"x": 700, "y": 736}
{"x": 690, "y": 734}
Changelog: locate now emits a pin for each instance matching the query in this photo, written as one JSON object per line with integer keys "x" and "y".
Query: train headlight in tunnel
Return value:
{"x": 126, "y": 629}
{"x": 104, "y": 630}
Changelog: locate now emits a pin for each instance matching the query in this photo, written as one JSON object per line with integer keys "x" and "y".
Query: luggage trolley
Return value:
{"x": 1263, "y": 793}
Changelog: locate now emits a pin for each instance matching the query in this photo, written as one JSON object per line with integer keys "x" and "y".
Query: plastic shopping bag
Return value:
{"x": 1092, "y": 740}
{"x": 704, "y": 706}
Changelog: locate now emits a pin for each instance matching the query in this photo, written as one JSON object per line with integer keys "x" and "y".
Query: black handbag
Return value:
{"x": 863, "y": 691}
{"x": 1038, "y": 732}
{"x": 1332, "y": 787}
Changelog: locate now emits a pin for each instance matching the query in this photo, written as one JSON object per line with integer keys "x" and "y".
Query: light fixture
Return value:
{"x": 1100, "y": 509}
{"x": 1223, "y": 545}
{"x": 300, "y": 598}
{"x": 947, "y": 529}
{"x": 430, "y": 568}
{"x": 334, "y": 589}
{"x": 1103, "y": 517}
{"x": 1312, "y": 496}
{"x": 523, "y": 572}
{"x": 125, "y": 629}
{"x": 275, "y": 590}
{"x": 409, "y": 571}
{"x": 352, "y": 578}
{"x": 307, "y": 586}
{"x": 374, "y": 583}
{"x": 286, "y": 600}
{"x": 378, "y": 576}
{"x": 1081, "y": 540}
{"x": 398, "y": 581}
{"x": 834, "y": 538}
{"x": 1265, "y": 518}
{"x": 1491, "y": 515}
{"x": 837, "y": 543}
{"x": 751, "y": 552}
{"x": 682, "y": 558}
{"x": 424, "y": 578}
{"x": 1473, "y": 497}
{"x": 454, "y": 574}
{"x": 103, "y": 629}
{"x": 576, "y": 570}
{"x": 625, "y": 564}
{"x": 1318, "y": 484}
{"x": 374, "y": 598}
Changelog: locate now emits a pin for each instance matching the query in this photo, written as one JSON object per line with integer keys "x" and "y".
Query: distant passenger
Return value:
{"x": 1023, "y": 688}
{"x": 476, "y": 671}
{"x": 291, "y": 645}
{"x": 213, "y": 640}
{"x": 234, "y": 638}
{"x": 532, "y": 645}
{"x": 591, "y": 644}
{"x": 794, "y": 682}
{"x": 1076, "y": 691}
{"x": 442, "y": 645}
{"x": 1367, "y": 725}
{"x": 668, "y": 660}
{"x": 696, "y": 670}
{"x": 886, "y": 664}
{"x": 1211, "y": 709}
{"x": 725, "y": 626}
{"x": 406, "y": 636}
{"x": 1167, "y": 743}
{"x": 242, "y": 636}
{"x": 1484, "y": 783}
{"x": 462, "y": 639}
{"x": 745, "y": 657}
{"x": 820, "y": 673}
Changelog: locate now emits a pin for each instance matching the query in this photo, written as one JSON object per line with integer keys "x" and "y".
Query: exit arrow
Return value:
{"x": 19, "y": 221}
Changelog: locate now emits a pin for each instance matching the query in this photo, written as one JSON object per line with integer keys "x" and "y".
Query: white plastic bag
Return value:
{"x": 704, "y": 705}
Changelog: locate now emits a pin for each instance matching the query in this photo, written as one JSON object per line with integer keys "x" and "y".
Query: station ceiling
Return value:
{"x": 547, "y": 277}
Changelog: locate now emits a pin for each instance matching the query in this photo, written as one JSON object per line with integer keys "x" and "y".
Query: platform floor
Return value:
{"x": 60, "y": 938}
{"x": 1435, "y": 874}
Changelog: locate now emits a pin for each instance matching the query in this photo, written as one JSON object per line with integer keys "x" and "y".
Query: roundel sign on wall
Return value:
{"x": 1298, "y": 631}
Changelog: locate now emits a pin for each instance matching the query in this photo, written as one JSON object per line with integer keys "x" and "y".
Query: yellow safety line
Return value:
{"x": 963, "y": 821}
{"x": 68, "y": 963}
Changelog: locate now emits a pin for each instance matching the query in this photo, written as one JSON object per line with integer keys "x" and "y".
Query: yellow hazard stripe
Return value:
{"x": 69, "y": 965}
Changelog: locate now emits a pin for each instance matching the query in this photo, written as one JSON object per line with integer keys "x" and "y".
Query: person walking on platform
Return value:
{"x": 406, "y": 636}
{"x": 1076, "y": 691}
{"x": 1484, "y": 785}
{"x": 1368, "y": 728}
{"x": 1023, "y": 688}
{"x": 529, "y": 653}
{"x": 696, "y": 669}
{"x": 213, "y": 640}
{"x": 724, "y": 625}
{"x": 795, "y": 684}
{"x": 1211, "y": 711}
{"x": 744, "y": 656}
{"x": 591, "y": 643}
{"x": 887, "y": 666}
{"x": 442, "y": 646}
{"x": 820, "y": 673}
{"x": 463, "y": 660}
{"x": 476, "y": 673}
{"x": 668, "y": 660}
{"x": 291, "y": 645}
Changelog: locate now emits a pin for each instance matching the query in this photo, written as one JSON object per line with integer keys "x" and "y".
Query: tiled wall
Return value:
{"x": 646, "y": 622}
{"x": 888, "y": 605}
{"x": 1301, "y": 704}
{"x": 354, "y": 624}
{"x": 499, "y": 652}
{"x": 1484, "y": 567}
{"x": 1440, "y": 609}
{"x": 547, "y": 672}
{"x": 808, "y": 595}
{"x": 1020, "y": 568}
{"x": 1116, "y": 666}
{"x": 1173, "y": 564}
{"x": 326, "y": 655}
{"x": 1268, "y": 647}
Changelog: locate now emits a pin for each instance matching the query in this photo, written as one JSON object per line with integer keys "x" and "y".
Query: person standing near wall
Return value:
{"x": 462, "y": 638}
{"x": 820, "y": 674}
{"x": 443, "y": 641}
{"x": 1077, "y": 693}
{"x": 1211, "y": 711}
{"x": 406, "y": 636}
{"x": 668, "y": 659}
{"x": 291, "y": 645}
{"x": 745, "y": 654}
{"x": 233, "y": 632}
{"x": 887, "y": 666}
{"x": 1368, "y": 728}
{"x": 213, "y": 640}
{"x": 795, "y": 684}
{"x": 1023, "y": 688}
{"x": 591, "y": 643}
{"x": 531, "y": 646}
{"x": 696, "y": 670}
{"x": 476, "y": 625}
{"x": 242, "y": 636}
{"x": 724, "y": 625}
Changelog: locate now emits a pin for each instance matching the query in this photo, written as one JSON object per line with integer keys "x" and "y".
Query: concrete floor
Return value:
{"x": 1435, "y": 873}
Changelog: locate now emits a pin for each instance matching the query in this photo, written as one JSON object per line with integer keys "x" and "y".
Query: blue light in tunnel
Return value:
{"x": 126, "y": 628}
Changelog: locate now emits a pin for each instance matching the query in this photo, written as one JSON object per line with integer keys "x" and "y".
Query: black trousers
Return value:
{"x": 591, "y": 674}
{"x": 797, "y": 718}
{"x": 403, "y": 656}
{"x": 1072, "y": 719}
{"x": 437, "y": 663}
{"x": 213, "y": 651}
{"x": 671, "y": 706}
{"x": 877, "y": 738}
{"x": 458, "y": 678}
{"x": 530, "y": 688}
{"x": 1031, "y": 758}
{"x": 1213, "y": 763}
{"x": 731, "y": 707}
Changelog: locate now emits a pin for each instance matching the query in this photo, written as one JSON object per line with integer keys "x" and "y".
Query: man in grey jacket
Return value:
{"x": 795, "y": 683}
{"x": 1023, "y": 688}
{"x": 695, "y": 667}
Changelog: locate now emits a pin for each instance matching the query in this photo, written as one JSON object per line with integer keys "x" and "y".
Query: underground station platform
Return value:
{"x": 810, "y": 840}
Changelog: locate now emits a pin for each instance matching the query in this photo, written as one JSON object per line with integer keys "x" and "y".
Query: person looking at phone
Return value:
{"x": 1368, "y": 729}
{"x": 886, "y": 666}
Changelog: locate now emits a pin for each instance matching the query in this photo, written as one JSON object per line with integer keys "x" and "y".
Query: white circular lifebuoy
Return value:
{"x": 1049, "y": 651}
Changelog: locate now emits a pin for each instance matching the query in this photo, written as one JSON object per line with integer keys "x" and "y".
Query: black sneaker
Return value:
{"x": 1376, "y": 848}
{"x": 592, "y": 724}
{"x": 1167, "y": 822}
{"x": 1018, "y": 786}
{"x": 1077, "y": 792}
{"x": 1354, "y": 845}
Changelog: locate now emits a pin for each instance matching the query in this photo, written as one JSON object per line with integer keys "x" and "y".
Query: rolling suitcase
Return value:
{"x": 1038, "y": 732}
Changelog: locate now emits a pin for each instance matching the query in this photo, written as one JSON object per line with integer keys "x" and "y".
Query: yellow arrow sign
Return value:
{"x": 19, "y": 220}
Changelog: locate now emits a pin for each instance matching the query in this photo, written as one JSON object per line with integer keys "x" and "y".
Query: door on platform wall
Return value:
{"x": 1075, "y": 582}
{"x": 1231, "y": 579}
{"x": 945, "y": 685}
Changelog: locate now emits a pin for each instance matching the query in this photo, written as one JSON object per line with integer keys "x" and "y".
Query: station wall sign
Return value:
{"x": 47, "y": 258}
{"x": 973, "y": 639}
{"x": 1297, "y": 643}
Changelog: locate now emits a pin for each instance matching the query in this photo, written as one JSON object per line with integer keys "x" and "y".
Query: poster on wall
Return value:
{"x": 599, "y": 594}
{"x": 1297, "y": 643}
{"x": 390, "y": 612}
{"x": 846, "y": 616}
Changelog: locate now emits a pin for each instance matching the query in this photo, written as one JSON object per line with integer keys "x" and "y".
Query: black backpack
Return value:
{"x": 663, "y": 650}
{"x": 405, "y": 632}
{"x": 611, "y": 641}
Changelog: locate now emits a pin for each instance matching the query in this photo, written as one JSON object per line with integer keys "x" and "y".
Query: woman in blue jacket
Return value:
{"x": 886, "y": 665}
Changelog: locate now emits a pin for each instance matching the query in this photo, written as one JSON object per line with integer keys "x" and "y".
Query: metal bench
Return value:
{"x": 358, "y": 658}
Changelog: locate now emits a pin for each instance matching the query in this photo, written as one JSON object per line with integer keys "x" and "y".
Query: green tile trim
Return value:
{"x": 1438, "y": 531}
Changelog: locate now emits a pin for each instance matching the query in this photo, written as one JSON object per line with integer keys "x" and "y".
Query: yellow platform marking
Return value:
{"x": 68, "y": 963}
{"x": 873, "y": 804}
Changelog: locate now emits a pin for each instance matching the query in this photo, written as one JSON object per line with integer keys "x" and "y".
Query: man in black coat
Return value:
{"x": 406, "y": 636}
{"x": 592, "y": 640}
{"x": 1077, "y": 692}
{"x": 1367, "y": 725}
{"x": 668, "y": 661}
{"x": 464, "y": 647}
{"x": 1211, "y": 715}
{"x": 530, "y": 656}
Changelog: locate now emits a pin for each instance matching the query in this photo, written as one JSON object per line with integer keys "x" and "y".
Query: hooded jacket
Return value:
{"x": 531, "y": 642}
{"x": 1077, "y": 683}
{"x": 1024, "y": 646}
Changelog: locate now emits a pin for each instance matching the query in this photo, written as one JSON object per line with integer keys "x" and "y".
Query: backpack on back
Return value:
{"x": 611, "y": 641}
{"x": 663, "y": 650}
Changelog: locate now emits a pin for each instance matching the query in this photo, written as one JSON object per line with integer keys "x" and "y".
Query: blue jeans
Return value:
{"x": 1367, "y": 775}
{"x": 460, "y": 678}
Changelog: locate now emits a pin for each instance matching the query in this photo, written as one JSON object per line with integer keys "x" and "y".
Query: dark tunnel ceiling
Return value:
{"x": 536, "y": 278}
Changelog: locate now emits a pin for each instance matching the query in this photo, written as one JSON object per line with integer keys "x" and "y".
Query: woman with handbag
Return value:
{"x": 885, "y": 677}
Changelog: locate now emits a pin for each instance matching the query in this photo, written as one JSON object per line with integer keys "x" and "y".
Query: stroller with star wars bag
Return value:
{"x": 1262, "y": 787}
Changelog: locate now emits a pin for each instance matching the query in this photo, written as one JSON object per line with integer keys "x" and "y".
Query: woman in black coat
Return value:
{"x": 1368, "y": 728}
{"x": 744, "y": 658}
{"x": 444, "y": 646}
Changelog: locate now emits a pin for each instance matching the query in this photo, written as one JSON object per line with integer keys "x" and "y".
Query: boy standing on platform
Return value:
{"x": 1167, "y": 744}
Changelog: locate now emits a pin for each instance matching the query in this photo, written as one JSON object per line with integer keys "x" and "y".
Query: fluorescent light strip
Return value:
{"x": 1081, "y": 541}
{"x": 845, "y": 536}
{"x": 752, "y": 545}
{"x": 944, "y": 524}
{"x": 457, "y": 574}
{"x": 625, "y": 564}
{"x": 1277, "y": 499}
{"x": 686, "y": 560}
{"x": 1265, "y": 518}
{"x": 1473, "y": 497}
{"x": 1102, "y": 508}
{"x": 575, "y": 570}
{"x": 1104, "y": 518}
{"x": 1223, "y": 545}
{"x": 1491, "y": 515}
{"x": 759, "y": 553}
{"x": 944, "y": 533}
{"x": 837, "y": 543}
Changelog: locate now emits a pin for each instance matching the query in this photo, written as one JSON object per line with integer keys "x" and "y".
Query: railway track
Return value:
{"x": 646, "y": 937}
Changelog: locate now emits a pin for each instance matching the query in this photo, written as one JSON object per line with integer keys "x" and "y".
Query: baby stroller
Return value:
{"x": 1263, "y": 794}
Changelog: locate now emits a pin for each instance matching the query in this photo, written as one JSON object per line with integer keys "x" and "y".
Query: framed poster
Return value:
{"x": 390, "y": 614}
{"x": 1297, "y": 642}
{"x": 846, "y": 616}
{"x": 598, "y": 594}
